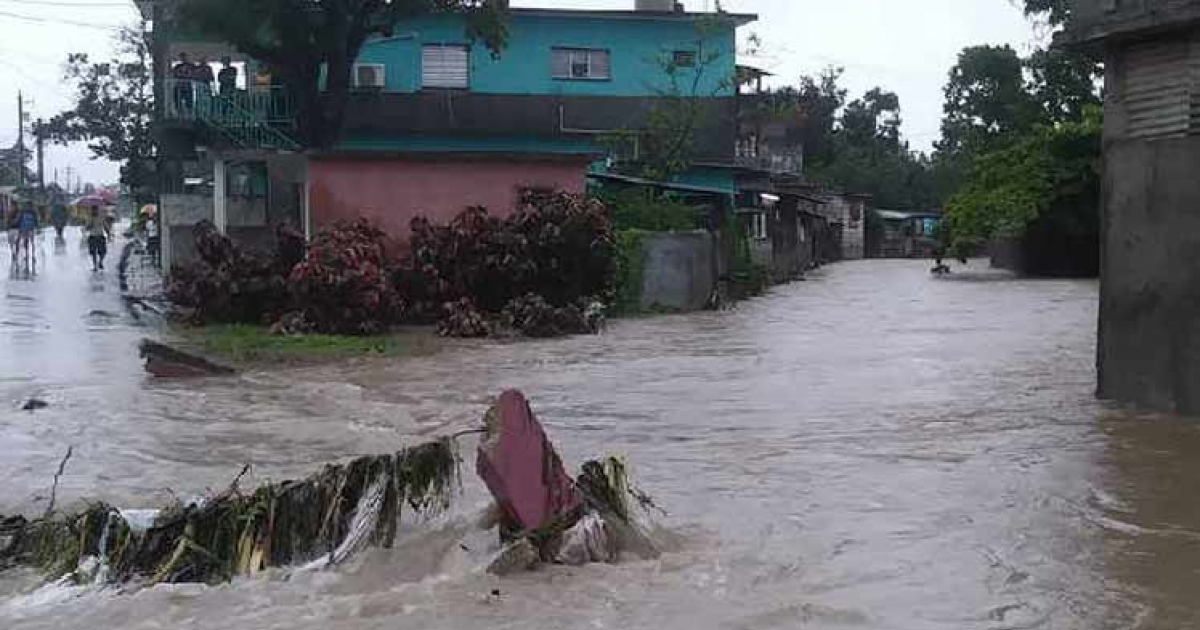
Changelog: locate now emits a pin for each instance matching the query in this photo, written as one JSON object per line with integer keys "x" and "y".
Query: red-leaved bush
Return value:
{"x": 343, "y": 286}
{"x": 557, "y": 246}
{"x": 229, "y": 285}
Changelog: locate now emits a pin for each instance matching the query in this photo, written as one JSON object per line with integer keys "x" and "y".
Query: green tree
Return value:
{"x": 1051, "y": 168}
{"x": 12, "y": 161}
{"x": 873, "y": 121}
{"x": 1056, "y": 12}
{"x": 113, "y": 111}
{"x": 987, "y": 102}
{"x": 313, "y": 44}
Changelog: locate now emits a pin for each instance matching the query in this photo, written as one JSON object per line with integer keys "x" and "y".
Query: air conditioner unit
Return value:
{"x": 369, "y": 76}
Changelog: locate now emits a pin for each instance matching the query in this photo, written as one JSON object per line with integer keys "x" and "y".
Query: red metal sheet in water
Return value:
{"x": 521, "y": 468}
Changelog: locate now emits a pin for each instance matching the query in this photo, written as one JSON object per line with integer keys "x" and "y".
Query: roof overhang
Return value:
{"x": 737, "y": 19}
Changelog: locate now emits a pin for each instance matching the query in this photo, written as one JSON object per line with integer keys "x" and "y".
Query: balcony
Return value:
{"x": 778, "y": 162}
{"x": 258, "y": 117}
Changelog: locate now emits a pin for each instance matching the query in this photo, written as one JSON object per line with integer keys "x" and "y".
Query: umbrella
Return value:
{"x": 91, "y": 201}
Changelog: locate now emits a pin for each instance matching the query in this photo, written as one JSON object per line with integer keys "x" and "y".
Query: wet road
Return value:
{"x": 869, "y": 449}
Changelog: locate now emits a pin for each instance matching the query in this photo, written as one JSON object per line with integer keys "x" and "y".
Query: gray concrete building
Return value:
{"x": 1149, "y": 344}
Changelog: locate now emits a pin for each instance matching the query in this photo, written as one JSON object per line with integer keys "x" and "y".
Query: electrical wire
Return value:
{"x": 30, "y": 18}
{"x": 53, "y": 3}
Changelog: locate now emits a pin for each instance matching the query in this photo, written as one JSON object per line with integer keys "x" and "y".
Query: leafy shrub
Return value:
{"x": 461, "y": 319}
{"x": 557, "y": 246}
{"x": 343, "y": 287}
{"x": 533, "y": 316}
{"x": 630, "y": 271}
{"x": 642, "y": 209}
{"x": 227, "y": 285}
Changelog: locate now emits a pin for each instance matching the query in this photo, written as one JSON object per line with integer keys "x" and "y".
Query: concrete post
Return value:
{"x": 220, "y": 197}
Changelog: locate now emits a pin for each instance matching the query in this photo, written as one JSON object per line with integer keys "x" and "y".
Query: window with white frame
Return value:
{"x": 446, "y": 66}
{"x": 584, "y": 64}
{"x": 758, "y": 226}
{"x": 369, "y": 75}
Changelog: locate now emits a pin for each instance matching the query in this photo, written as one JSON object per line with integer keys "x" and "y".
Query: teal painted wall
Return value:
{"x": 637, "y": 48}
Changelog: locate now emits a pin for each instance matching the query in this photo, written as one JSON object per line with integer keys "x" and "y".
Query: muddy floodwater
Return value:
{"x": 872, "y": 448}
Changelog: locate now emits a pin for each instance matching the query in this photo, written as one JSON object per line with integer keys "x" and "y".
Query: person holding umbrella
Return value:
{"x": 97, "y": 238}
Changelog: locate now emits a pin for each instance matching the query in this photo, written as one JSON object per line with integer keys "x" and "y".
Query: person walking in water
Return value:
{"x": 59, "y": 218}
{"x": 97, "y": 238}
{"x": 27, "y": 226}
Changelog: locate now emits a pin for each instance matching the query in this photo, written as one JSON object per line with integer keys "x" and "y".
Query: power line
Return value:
{"x": 31, "y": 18}
{"x": 55, "y": 89}
{"x": 51, "y": 3}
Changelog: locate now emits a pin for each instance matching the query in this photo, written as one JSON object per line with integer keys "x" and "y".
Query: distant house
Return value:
{"x": 1149, "y": 349}
{"x": 436, "y": 123}
{"x": 904, "y": 234}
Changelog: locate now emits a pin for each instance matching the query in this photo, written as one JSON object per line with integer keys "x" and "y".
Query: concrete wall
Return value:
{"x": 179, "y": 213}
{"x": 1149, "y": 347}
{"x": 850, "y": 212}
{"x": 393, "y": 191}
{"x": 1149, "y": 350}
{"x": 679, "y": 270}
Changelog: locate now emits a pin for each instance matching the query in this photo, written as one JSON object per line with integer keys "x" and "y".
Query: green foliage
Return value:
{"x": 642, "y": 209}
{"x": 631, "y": 263}
{"x": 1056, "y": 12}
{"x": 986, "y": 101}
{"x": 866, "y": 153}
{"x": 297, "y": 38}
{"x": 1063, "y": 82}
{"x": 747, "y": 279}
{"x": 1008, "y": 188}
{"x": 668, "y": 141}
{"x": 247, "y": 343}
{"x": 114, "y": 110}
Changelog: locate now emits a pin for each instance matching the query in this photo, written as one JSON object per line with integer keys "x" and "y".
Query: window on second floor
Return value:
{"x": 445, "y": 66}
{"x": 368, "y": 76}
{"x": 684, "y": 59}
{"x": 581, "y": 64}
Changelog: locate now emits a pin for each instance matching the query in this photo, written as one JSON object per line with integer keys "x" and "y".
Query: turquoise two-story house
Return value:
{"x": 437, "y": 123}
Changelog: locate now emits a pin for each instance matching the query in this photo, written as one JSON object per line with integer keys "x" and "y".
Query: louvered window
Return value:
{"x": 445, "y": 66}
{"x": 1160, "y": 90}
{"x": 580, "y": 63}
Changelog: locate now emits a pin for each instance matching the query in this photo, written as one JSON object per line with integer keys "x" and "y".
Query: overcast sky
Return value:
{"x": 903, "y": 45}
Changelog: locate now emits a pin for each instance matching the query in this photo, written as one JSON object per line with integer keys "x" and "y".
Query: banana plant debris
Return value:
{"x": 544, "y": 515}
{"x": 312, "y": 522}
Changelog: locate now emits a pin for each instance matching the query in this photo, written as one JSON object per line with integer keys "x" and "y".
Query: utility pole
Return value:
{"x": 20, "y": 139}
{"x": 39, "y": 137}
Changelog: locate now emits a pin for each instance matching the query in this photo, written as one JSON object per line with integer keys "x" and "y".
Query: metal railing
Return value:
{"x": 774, "y": 162}
{"x": 251, "y": 118}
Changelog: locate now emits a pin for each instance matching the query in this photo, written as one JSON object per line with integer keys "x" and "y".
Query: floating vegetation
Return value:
{"x": 317, "y": 521}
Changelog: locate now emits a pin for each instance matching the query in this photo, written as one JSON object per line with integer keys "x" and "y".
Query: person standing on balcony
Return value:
{"x": 227, "y": 77}
{"x": 204, "y": 76}
{"x": 182, "y": 73}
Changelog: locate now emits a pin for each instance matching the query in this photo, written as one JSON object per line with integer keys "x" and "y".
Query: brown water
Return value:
{"x": 869, "y": 449}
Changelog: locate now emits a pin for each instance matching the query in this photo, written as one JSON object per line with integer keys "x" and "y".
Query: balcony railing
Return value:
{"x": 254, "y": 118}
{"x": 193, "y": 100}
{"x": 782, "y": 162}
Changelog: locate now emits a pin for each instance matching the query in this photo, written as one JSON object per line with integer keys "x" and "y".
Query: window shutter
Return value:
{"x": 1159, "y": 89}
{"x": 445, "y": 66}
{"x": 560, "y": 63}
{"x": 1194, "y": 72}
{"x": 601, "y": 68}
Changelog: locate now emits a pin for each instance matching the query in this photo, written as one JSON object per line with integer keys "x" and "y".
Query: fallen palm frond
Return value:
{"x": 322, "y": 519}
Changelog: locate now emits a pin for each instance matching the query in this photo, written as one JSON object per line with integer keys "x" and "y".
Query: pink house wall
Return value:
{"x": 392, "y": 191}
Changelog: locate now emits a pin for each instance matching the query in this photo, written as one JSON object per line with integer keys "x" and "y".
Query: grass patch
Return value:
{"x": 255, "y": 344}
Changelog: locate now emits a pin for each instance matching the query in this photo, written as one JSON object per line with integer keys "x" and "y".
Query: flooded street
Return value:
{"x": 869, "y": 449}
